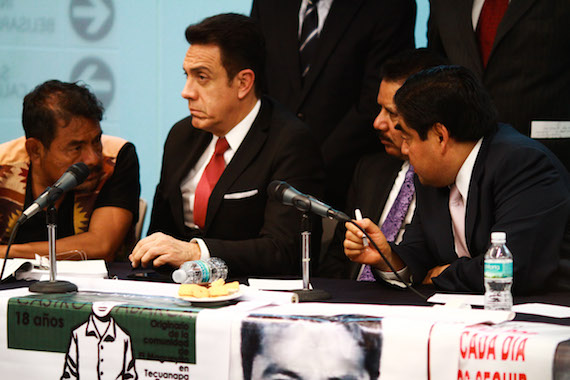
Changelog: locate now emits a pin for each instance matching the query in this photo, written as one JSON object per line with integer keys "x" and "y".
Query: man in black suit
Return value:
{"x": 503, "y": 180}
{"x": 525, "y": 70}
{"x": 337, "y": 95}
{"x": 261, "y": 142}
{"x": 379, "y": 177}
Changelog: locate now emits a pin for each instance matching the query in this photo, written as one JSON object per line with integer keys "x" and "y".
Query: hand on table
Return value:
{"x": 159, "y": 249}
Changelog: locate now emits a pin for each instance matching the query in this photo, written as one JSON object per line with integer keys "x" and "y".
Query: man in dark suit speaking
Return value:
{"x": 212, "y": 196}
{"x": 382, "y": 185}
{"x": 474, "y": 176}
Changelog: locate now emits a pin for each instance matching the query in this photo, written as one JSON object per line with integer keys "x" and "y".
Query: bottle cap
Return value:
{"x": 179, "y": 276}
{"x": 498, "y": 237}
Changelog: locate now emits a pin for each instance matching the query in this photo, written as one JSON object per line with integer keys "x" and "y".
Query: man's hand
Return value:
{"x": 159, "y": 249}
{"x": 434, "y": 272}
{"x": 355, "y": 250}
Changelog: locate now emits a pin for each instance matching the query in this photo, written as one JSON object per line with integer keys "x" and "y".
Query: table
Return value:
{"x": 211, "y": 337}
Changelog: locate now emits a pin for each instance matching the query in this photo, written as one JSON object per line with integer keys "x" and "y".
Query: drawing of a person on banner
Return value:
{"x": 100, "y": 348}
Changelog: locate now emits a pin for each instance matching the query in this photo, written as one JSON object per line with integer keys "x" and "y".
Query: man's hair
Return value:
{"x": 399, "y": 67}
{"x": 450, "y": 95}
{"x": 366, "y": 332}
{"x": 240, "y": 41}
{"x": 53, "y": 104}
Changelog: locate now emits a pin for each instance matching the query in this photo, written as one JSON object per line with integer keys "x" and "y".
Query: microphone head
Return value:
{"x": 276, "y": 188}
{"x": 80, "y": 171}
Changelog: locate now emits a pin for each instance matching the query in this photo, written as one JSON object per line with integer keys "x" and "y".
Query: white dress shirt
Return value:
{"x": 95, "y": 355}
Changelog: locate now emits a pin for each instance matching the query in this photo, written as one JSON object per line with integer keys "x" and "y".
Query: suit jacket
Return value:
{"x": 253, "y": 234}
{"x": 338, "y": 98}
{"x": 527, "y": 73}
{"x": 373, "y": 180}
{"x": 517, "y": 186}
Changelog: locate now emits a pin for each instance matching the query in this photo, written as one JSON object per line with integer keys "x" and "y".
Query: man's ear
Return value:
{"x": 245, "y": 80}
{"x": 35, "y": 149}
{"x": 442, "y": 135}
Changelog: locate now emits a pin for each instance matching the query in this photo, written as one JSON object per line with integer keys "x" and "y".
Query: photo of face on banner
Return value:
{"x": 311, "y": 348}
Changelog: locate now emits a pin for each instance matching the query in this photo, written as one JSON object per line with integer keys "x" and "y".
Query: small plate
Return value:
{"x": 229, "y": 297}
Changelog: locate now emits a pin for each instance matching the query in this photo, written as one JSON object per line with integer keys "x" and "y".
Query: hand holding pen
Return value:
{"x": 358, "y": 216}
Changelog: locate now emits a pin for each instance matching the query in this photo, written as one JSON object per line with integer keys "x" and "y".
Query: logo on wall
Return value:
{"x": 92, "y": 19}
{"x": 97, "y": 74}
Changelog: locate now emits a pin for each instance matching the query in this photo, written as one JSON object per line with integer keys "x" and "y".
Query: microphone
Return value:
{"x": 290, "y": 196}
{"x": 73, "y": 176}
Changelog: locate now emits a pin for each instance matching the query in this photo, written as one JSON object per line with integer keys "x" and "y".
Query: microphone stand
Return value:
{"x": 307, "y": 294}
{"x": 52, "y": 286}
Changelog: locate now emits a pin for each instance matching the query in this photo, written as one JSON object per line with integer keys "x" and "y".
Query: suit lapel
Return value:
{"x": 382, "y": 190}
{"x": 443, "y": 224}
{"x": 514, "y": 12}
{"x": 338, "y": 20}
{"x": 289, "y": 10}
{"x": 473, "y": 198}
{"x": 202, "y": 140}
{"x": 246, "y": 153}
{"x": 464, "y": 26}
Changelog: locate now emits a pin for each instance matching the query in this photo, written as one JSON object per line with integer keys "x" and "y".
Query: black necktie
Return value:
{"x": 309, "y": 37}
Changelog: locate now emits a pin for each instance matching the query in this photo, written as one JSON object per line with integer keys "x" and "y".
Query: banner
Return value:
{"x": 108, "y": 336}
{"x": 507, "y": 351}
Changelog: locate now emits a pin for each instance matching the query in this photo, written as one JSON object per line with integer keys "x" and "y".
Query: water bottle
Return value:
{"x": 201, "y": 271}
{"x": 498, "y": 272}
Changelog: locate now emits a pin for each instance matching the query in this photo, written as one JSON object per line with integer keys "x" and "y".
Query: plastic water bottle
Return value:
{"x": 498, "y": 274}
{"x": 201, "y": 271}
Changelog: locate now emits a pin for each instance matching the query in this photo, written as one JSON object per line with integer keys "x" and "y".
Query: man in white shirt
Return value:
{"x": 474, "y": 176}
{"x": 379, "y": 177}
{"x": 212, "y": 196}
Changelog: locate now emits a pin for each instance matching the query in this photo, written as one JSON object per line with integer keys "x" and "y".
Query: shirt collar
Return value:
{"x": 463, "y": 178}
{"x": 109, "y": 335}
{"x": 237, "y": 134}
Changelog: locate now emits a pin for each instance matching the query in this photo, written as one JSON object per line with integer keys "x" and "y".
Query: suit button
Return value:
{"x": 301, "y": 116}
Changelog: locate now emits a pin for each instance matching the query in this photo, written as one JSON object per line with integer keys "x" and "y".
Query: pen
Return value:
{"x": 358, "y": 215}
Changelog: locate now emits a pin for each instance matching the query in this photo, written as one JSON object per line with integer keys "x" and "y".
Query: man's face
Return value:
{"x": 424, "y": 155}
{"x": 212, "y": 97}
{"x": 296, "y": 352}
{"x": 79, "y": 141}
{"x": 387, "y": 119}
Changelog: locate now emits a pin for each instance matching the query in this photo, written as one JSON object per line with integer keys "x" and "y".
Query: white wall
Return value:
{"x": 129, "y": 51}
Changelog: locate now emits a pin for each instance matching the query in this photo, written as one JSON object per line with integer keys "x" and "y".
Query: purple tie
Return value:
{"x": 395, "y": 217}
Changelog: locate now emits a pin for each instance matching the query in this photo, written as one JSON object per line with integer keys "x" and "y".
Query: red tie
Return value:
{"x": 491, "y": 15}
{"x": 208, "y": 181}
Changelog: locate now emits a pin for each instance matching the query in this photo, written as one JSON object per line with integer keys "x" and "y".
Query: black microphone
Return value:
{"x": 290, "y": 196}
{"x": 73, "y": 176}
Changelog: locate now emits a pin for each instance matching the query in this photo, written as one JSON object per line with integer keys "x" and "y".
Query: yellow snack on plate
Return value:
{"x": 233, "y": 287}
{"x": 218, "y": 291}
{"x": 217, "y": 288}
{"x": 192, "y": 290}
{"x": 217, "y": 283}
